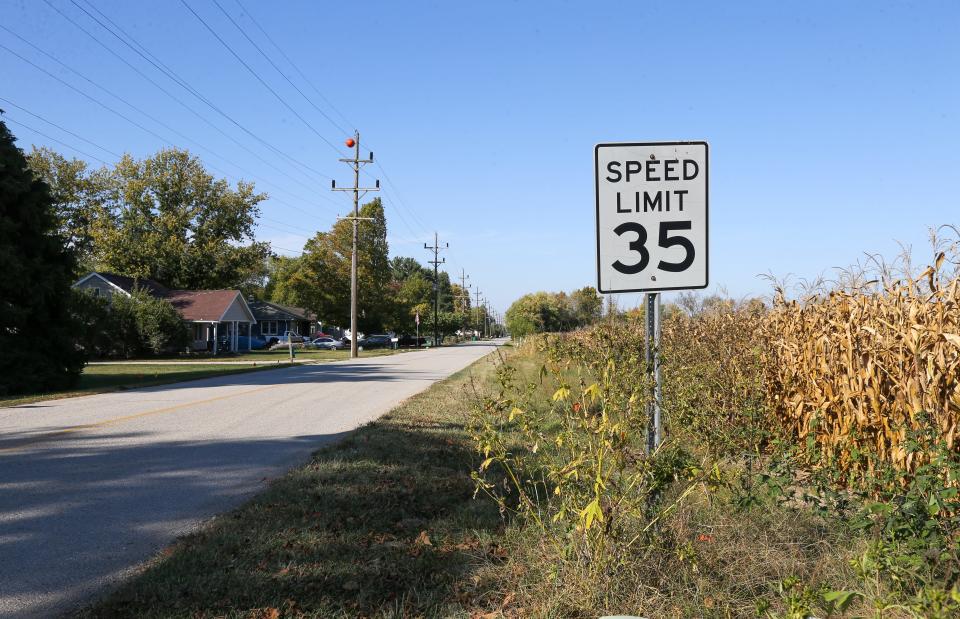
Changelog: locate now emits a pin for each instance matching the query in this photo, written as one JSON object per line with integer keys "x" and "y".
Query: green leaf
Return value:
{"x": 840, "y": 600}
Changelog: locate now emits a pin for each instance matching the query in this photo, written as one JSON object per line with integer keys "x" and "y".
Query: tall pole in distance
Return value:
{"x": 436, "y": 262}
{"x": 478, "y": 313}
{"x": 356, "y": 189}
{"x": 464, "y": 295}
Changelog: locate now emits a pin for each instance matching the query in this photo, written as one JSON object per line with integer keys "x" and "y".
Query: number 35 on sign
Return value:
{"x": 652, "y": 204}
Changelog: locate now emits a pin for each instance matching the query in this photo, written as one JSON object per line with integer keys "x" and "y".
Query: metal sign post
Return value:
{"x": 652, "y": 316}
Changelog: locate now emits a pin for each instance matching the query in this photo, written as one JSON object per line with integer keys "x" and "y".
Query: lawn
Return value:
{"x": 381, "y": 524}
{"x": 114, "y": 377}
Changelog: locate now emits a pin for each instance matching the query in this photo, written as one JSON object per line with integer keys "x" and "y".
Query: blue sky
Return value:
{"x": 833, "y": 127}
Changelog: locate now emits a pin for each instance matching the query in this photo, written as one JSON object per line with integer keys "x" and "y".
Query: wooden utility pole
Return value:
{"x": 464, "y": 295}
{"x": 358, "y": 192}
{"x": 436, "y": 262}
{"x": 479, "y": 331}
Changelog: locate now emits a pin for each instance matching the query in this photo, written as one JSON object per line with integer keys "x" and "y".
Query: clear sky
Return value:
{"x": 833, "y": 126}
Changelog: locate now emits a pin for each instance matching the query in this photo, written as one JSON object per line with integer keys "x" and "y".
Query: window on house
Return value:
{"x": 96, "y": 291}
{"x": 269, "y": 327}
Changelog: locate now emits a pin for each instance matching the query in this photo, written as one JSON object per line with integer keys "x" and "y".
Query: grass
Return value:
{"x": 381, "y": 524}
{"x": 385, "y": 524}
{"x": 115, "y": 377}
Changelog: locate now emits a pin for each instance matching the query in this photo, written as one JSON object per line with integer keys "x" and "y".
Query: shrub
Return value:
{"x": 126, "y": 327}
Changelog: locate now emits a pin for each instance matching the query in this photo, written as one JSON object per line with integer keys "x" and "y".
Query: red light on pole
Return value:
{"x": 350, "y": 143}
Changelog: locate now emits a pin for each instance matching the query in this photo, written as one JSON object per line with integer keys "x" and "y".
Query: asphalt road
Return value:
{"x": 92, "y": 487}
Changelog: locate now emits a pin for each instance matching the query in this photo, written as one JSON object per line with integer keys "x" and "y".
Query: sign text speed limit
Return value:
{"x": 652, "y": 208}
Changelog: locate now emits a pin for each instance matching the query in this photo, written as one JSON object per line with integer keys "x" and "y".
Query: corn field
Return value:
{"x": 870, "y": 371}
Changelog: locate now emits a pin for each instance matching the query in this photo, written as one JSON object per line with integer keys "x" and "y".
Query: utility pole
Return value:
{"x": 488, "y": 323}
{"x": 436, "y": 262}
{"x": 478, "y": 313}
{"x": 355, "y": 163}
{"x": 464, "y": 295}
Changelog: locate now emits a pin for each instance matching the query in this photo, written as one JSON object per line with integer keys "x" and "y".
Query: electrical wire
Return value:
{"x": 7, "y": 119}
{"x": 50, "y": 122}
{"x": 399, "y": 201}
{"x": 173, "y": 76}
{"x": 274, "y": 65}
{"x": 260, "y": 79}
{"x": 295, "y": 68}
{"x": 147, "y": 115}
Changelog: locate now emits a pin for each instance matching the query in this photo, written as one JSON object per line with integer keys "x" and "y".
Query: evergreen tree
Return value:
{"x": 36, "y": 329}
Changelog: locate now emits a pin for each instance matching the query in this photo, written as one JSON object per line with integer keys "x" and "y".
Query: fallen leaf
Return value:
{"x": 423, "y": 539}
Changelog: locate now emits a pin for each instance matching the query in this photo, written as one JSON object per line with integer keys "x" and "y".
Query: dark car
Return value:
{"x": 376, "y": 341}
{"x": 411, "y": 340}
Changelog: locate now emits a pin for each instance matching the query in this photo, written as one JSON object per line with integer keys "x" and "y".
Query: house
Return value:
{"x": 216, "y": 318}
{"x": 274, "y": 320}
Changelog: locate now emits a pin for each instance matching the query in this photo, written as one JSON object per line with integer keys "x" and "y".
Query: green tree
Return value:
{"x": 36, "y": 330}
{"x": 587, "y": 306}
{"x": 320, "y": 279}
{"x": 81, "y": 199}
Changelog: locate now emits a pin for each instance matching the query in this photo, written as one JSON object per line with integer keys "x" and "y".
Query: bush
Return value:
{"x": 136, "y": 326}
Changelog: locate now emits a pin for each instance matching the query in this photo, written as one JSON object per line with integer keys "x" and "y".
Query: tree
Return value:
{"x": 587, "y": 305}
{"x": 38, "y": 267}
{"x": 320, "y": 279}
{"x": 545, "y": 311}
{"x": 164, "y": 218}
{"x": 81, "y": 199}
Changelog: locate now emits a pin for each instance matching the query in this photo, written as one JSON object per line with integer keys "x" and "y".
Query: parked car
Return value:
{"x": 256, "y": 342}
{"x": 328, "y": 343}
{"x": 411, "y": 340}
{"x": 291, "y": 336}
{"x": 376, "y": 341}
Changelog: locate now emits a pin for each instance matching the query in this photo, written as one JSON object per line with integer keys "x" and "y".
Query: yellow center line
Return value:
{"x": 110, "y": 422}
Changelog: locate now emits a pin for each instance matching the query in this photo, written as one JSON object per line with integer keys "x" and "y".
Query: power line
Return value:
{"x": 295, "y": 68}
{"x": 106, "y": 107}
{"x": 292, "y": 251}
{"x": 274, "y": 65}
{"x": 173, "y": 76}
{"x": 50, "y": 122}
{"x": 399, "y": 200}
{"x": 51, "y": 138}
{"x": 143, "y": 113}
{"x": 260, "y": 79}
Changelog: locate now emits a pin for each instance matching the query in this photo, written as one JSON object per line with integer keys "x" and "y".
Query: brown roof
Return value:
{"x": 201, "y": 305}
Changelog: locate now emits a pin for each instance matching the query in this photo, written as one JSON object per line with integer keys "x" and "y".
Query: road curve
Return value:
{"x": 92, "y": 487}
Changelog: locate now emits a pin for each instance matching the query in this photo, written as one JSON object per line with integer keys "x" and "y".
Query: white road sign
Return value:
{"x": 652, "y": 203}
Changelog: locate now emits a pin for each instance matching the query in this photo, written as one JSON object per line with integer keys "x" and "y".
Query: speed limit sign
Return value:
{"x": 652, "y": 206}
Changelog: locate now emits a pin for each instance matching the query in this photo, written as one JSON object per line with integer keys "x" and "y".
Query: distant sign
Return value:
{"x": 652, "y": 206}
